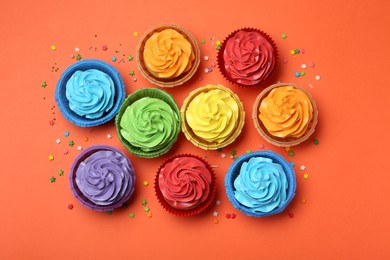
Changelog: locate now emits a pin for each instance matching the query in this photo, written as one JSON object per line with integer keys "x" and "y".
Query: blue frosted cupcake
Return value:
{"x": 89, "y": 93}
{"x": 260, "y": 183}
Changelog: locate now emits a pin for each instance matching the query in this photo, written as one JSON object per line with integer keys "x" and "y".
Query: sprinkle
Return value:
{"x": 144, "y": 202}
{"x": 109, "y": 136}
{"x": 262, "y": 146}
{"x": 233, "y": 152}
{"x": 312, "y": 65}
{"x": 218, "y": 43}
{"x": 285, "y": 61}
{"x": 223, "y": 155}
{"x": 214, "y": 166}
{"x": 71, "y": 143}
{"x": 213, "y": 64}
{"x": 292, "y": 52}
{"x": 129, "y": 58}
{"x": 248, "y": 151}
{"x": 79, "y": 148}
{"x": 66, "y": 152}
{"x": 303, "y": 73}
{"x": 53, "y": 47}
{"x": 219, "y": 150}
{"x": 202, "y": 41}
{"x": 70, "y": 206}
{"x": 66, "y": 134}
{"x": 318, "y": 77}
{"x": 60, "y": 172}
{"x": 52, "y": 179}
{"x": 76, "y": 49}
{"x": 109, "y": 212}
{"x": 206, "y": 57}
{"x": 131, "y": 215}
{"x": 86, "y": 139}
{"x": 131, "y": 72}
{"x": 297, "y": 51}
{"x": 297, "y": 74}
{"x": 218, "y": 47}
{"x": 215, "y": 213}
{"x": 147, "y": 209}
{"x": 303, "y": 167}
{"x": 287, "y": 148}
{"x": 233, "y": 216}
{"x": 43, "y": 84}
{"x": 149, "y": 215}
{"x": 284, "y": 36}
{"x": 71, "y": 56}
{"x": 58, "y": 140}
{"x": 206, "y": 70}
{"x": 215, "y": 221}
{"x": 217, "y": 202}
{"x": 306, "y": 176}
{"x": 228, "y": 215}
{"x": 291, "y": 215}
{"x": 135, "y": 34}
{"x": 292, "y": 164}
{"x": 135, "y": 79}
{"x": 291, "y": 153}
{"x": 316, "y": 141}
{"x": 146, "y": 183}
{"x": 303, "y": 66}
{"x": 125, "y": 205}
{"x": 303, "y": 200}
{"x": 51, "y": 157}
{"x": 310, "y": 85}
{"x": 78, "y": 57}
{"x": 113, "y": 58}
{"x": 51, "y": 122}
{"x": 104, "y": 47}
{"x": 303, "y": 51}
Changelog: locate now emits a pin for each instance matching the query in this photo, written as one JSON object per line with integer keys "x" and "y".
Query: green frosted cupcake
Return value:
{"x": 148, "y": 122}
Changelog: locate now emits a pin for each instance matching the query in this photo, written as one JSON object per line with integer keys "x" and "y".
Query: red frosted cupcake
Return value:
{"x": 247, "y": 57}
{"x": 185, "y": 185}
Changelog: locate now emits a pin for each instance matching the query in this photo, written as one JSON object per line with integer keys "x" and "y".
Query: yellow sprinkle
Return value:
{"x": 287, "y": 149}
{"x": 86, "y": 139}
{"x": 51, "y": 157}
{"x": 146, "y": 183}
{"x": 149, "y": 215}
{"x": 53, "y": 47}
{"x": 135, "y": 34}
{"x": 306, "y": 176}
{"x": 218, "y": 42}
{"x": 292, "y": 52}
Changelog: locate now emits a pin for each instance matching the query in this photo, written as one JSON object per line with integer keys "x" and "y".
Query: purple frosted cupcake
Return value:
{"x": 102, "y": 178}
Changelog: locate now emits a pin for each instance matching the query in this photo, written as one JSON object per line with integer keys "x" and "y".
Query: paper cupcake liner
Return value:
{"x": 199, "y": 142}
{"x": 193, "y": 211}
{"x": 63, "y": 103}
{"x": 277, "y": 141}
{"x": 173, "y": 82}
{"x": 221, "y": 62}
{"x": 234, "y": 170}
{"x": 153, "y": 93}
{"x": 76, "y": 191}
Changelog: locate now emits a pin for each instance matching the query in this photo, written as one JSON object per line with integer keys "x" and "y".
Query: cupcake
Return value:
{"x": 102, "y": 178}
{"x": 148, "y": 122}
{"x": 213, "y": 117}
{"x": 247, "y": 57}
{"x": 185, "y": 185}
{"x": 168, "y": 55}
{"x": 285, "y": 114}
{"x": 89, "y": 93}
{"x": 260, "y": 183}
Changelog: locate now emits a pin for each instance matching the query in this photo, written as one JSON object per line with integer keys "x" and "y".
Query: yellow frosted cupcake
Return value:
{"x": 168, "y": 55}
{"x": 285, "y": 114}
{"x": 213, "y": 117}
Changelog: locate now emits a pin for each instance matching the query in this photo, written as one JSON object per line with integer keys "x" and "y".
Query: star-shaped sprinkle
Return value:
{"x": 86, "y": 139}
{"x": 66, "y": 134}
{"x": 215, "y": 213}
{"x": 261, "y": 146}
{"x": 202, "y": 41}
{"x": 66, "y": 152}
{"x": 318, "y": 77}
{"x": 60, "y": 172}
{"x": 303, "y": 167}
{"x": 206, "y": 57}
{"x": 287, "y": 149}
{"x": 228, "y": 215}
{"x": 78, "y": 57}
{"x": 79, "y": 148}
{"x": 53, "y": 47}
{"x": 316, "y": 141}
{"x": 52, "y": 179}
{"x": 284, "y": 36}
{"x": 146, "y": 209}
{"x": 312, "y": 65}
{"x": 233, "y": 152}
{"x": 248, "y": 151}
{"x": 129, "y": 58}
{"x": 303, "y": 66}
{"x": 223, "y": 155}
{"x": 76, "y": 49}
{"x": 217, "y": 202}
{"x": 233, "y": 216}
{"x": 104, "y": 47}
{"x": 135, "y": 34}
{"x": 131, "y": 215}
{"x": 146, "y": 183}
{"x": 109, "y": 136}
{"x": 113, "y": 59}
{"x": 291, "y": 153}
{"x": 131, "y": 73}
{"x": 215, "y": 221}
{"x": 58, "y": 140}
{"x": 144, "y": 202}
{"x": 71, "y": 143}
{"x": 50, "y": 157}
{"x": 43, "y": 84}
{"x": 149, "y": 215}
{"x": 306, "y": 176}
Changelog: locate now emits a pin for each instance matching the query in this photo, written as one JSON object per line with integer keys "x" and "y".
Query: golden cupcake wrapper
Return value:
{"x": 173, "y": 82}
{"x": 277, "y": 141}
{"x": 197, "y": 141}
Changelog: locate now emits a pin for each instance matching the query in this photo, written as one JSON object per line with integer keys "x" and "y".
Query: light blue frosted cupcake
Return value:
{"x": 260, "y": 183}
{"x": 90, "y": 92}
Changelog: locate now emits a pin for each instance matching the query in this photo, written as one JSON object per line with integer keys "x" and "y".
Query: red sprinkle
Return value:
{"x": 51, "y": 122}
{"x": 291, "y": 215}
{"x": 228, "y": 215}
{"x": 233, "y": 216}
{"x": 70, "y": 206}
{"x": 104, "y": 48}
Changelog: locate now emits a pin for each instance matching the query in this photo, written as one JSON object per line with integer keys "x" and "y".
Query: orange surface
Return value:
{"x": 346, "y": 214}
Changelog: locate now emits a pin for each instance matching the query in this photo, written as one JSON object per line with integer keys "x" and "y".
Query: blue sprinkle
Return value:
{"x": 66, "y": 134}
{"x": 292, "y": 164}
{"x": 113, "y": 58}
{"x": 297, "y": 74}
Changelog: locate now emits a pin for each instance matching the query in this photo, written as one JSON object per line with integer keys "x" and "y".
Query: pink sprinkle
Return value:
{"x": 302, "y": 51}
{"x": 70, "y": 206}
{"x": 312, "y": 65}
{"x": 233, "y": 216}
{"x": 104, "y": 47}
{"x": 285, "y": 61}
{"x": 66, "y": 151}
{"x": 262, "y": 146}
{"x": 51, "y": 122}
{"x": 72, "y": 56}
{"x": 212, "y": 64}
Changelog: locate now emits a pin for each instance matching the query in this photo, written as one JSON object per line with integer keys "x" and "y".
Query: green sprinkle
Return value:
{"x": 202, "y": 41}
{"x": 109, "y": 212}
{"x": 235, "y": 158}
{"x": 303, "y": 73}
{"x": 71, "y": 143}
{"x": 131, "y": 72}
{"x": 248, "y": 151}
{"x": 61, "y": 172}
{"x": 130, "y": 58}
{"x": 219, "y": 150}
{"x": 233, "y": 152}
{"x": 43, "y": 84}
{"x": 131, "y": 215}
{"x": 218, "y": 47}
{"x": 284, "y": 36}
{"x": 316, "y": 141}
{"x": 144, "y": 202}
{"x": 78, "y": 57}
{"x": 146, "y": 209}
{"x": 297, "y": 51}
{"x": 52, "y": 179}
{"x": 291, "y": 153}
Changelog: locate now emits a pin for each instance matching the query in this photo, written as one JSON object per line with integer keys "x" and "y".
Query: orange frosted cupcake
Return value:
{"x": 285, "y": 114}
{"x": 168, "y": 55}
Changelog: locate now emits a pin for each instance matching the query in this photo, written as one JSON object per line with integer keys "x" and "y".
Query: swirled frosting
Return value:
{"x": 150, "y": 124}
{"x": 286, "y": 112}
{"x": 105, "y": 177}
{"x": 261, "y": 185}
{"x": 249, "y": 57}
{"x": 213, "y": 115}
{"x": 90, "y": 93}
{"x": 168, "y": 54}
{"x": 184, "y": 182}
